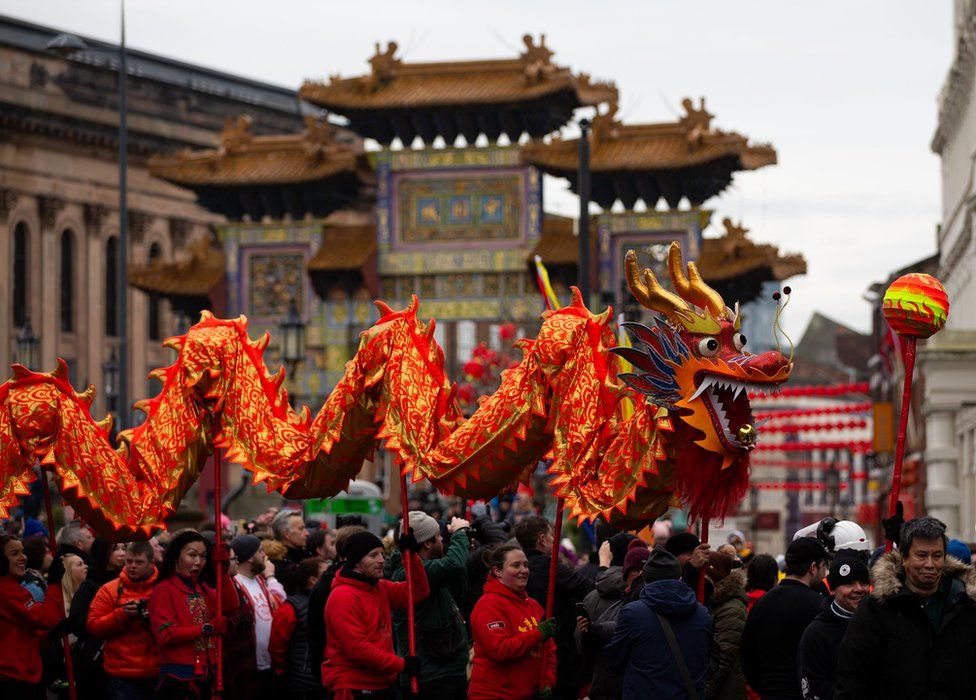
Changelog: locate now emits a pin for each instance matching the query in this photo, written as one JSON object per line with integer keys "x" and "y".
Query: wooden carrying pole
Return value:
{"x": 408, "y": 569}
{"x": 219, "y": 584}
{"x": 69, "y": 665}
{"x": 701, "y": 572}
{"x": 906, "y": 400}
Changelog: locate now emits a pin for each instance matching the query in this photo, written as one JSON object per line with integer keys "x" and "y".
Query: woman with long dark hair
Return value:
{"x": 183, "y": 616}
{"x": 22, "y": 622}
{"x": 514, "y": 655}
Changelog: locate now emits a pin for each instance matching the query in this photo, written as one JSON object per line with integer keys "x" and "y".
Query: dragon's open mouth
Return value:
{"x": 729, "y": 407}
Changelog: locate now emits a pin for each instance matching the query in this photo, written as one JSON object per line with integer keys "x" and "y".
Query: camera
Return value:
{"x": 142, "y": 607}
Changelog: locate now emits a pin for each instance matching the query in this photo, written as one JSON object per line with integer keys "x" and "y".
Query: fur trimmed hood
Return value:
{"x": 888, "y": 576}
{"x": 731, "y": 587}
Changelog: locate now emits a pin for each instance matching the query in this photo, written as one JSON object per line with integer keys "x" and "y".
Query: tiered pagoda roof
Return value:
{"x": 687, "y": 158}
{"x": 315, "y": 172}
{"x": 736, "y": 267}
{"x": 732, "y": 264}
{"x": 192, "y": 278}
{"x": 528, "y": 94}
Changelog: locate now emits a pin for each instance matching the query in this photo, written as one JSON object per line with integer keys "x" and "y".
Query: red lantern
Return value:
{"x": 474, "y": 369}
{"x": 507, "y": 331}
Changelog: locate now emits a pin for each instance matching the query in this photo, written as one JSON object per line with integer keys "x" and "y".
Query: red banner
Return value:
{"x": 836, "y": 390}
{"x": 815, "y": 427}
{"x": 857, "y": 446}
{"x": 820, "y": 411}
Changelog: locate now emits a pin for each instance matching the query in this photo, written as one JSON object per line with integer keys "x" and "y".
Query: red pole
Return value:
{"x": 557, "y": 530}
{"x": 218, "y": 529}
{"x": 906, "y": 400}
{"x": 69, "y": 665}
{"x": 703, "y": 536}
{"x": 408, "y": 567}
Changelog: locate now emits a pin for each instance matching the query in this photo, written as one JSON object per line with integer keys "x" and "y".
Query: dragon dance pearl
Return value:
{"x": 916, "y": 305}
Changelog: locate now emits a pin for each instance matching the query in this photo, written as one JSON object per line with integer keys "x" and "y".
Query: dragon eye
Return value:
{"x": 708, "y": 347}
{"x": 738, "y": 341}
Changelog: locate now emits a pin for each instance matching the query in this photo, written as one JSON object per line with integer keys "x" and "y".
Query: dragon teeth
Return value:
{"x": 706, "y": 382}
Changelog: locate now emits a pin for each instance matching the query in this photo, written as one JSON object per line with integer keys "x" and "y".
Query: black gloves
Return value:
{"x": 408, "y": 542}
{"x": 892, "y": 525}
{"x": 411, "y": 666}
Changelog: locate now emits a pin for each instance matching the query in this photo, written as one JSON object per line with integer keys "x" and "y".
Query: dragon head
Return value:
{"x": 693, "y": 359}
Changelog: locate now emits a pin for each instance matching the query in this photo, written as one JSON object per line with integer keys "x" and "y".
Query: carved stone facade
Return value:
{"x": 948, "y": 360}
{"x": 59, "y": 191}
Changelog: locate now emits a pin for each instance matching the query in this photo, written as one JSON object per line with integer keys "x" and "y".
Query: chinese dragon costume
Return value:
{"x": 687, "y": 439}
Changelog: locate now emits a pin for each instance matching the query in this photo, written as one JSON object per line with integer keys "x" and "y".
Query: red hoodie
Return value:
{"x": 177, "y": 612}
{"x": 508, "y": 649}
{"x": 359, "y": 633}
{"x": 130, "y": 648}
{"x": 23, "y": 623}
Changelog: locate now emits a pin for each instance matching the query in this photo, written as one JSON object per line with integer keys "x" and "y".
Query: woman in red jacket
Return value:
{"x": 24, "y": 623}
{"x": 514, "y": 655}
{"x": 182, "y": 614}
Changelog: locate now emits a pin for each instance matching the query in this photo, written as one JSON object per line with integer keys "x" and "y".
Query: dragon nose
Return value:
{"x": 769, "y": 362}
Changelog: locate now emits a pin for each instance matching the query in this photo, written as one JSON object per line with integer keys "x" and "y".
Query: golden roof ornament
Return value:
{"x": 235, "y": 135}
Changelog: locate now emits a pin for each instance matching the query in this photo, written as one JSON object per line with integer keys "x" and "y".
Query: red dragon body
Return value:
{"x": 687, "y": 440}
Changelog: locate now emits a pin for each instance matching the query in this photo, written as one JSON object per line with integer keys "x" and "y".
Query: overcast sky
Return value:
{"x": 844, "y": 89}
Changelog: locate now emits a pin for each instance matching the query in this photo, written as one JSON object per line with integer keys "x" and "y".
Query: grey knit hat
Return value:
{"x": 424, "y": 527}
{"x": 661, "y": 565}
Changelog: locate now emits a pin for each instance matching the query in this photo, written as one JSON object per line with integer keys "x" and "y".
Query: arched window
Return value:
{"x": 155, "y": 253}
{"x": 21, "y": 272}
{"x": 67, "y": 299}
{"x": 112, "y": 286}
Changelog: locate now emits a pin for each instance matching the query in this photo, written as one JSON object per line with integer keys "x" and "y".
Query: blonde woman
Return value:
{"x": 75, "y": 572}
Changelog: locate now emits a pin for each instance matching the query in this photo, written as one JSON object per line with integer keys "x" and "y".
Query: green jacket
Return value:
{"x": 438, "y": 619}
{"x": 728, "y": 606}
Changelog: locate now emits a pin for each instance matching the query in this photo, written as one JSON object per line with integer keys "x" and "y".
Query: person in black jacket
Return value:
{"x": 915, "y": 635}
{"x": 771, "y": 638}
{"x": 848, "y": 581}
{"x": 692, "y": 554}
{"x": 534, "y": 535}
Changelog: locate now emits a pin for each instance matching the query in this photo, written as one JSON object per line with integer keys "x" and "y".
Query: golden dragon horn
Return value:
{"x": 693, "y": 288}
{"x": 650, "y": 293}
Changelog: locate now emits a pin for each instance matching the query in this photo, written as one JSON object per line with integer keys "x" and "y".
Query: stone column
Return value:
{"x": 8, "y": 199}
{"x": 942, "y": 498}
{"x": 48, "y": 326}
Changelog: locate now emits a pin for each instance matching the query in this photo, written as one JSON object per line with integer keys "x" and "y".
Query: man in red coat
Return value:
{"x": 359, "y": 653}
{"x": 119, "y": 614}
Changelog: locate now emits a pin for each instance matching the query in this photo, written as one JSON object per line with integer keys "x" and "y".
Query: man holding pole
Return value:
{"x": 915, "y": 635}
{"x": 359, "y": 660}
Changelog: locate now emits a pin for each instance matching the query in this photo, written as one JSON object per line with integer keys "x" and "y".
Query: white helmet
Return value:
{"x": 835, "y": 535}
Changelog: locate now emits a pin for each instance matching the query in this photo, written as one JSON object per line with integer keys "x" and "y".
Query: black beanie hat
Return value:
{"x": 661, "y": 565}
{"x": 804, "y": 551}
{"x": 359, "y": 545}
{"x": 618, "y": 547}
{"x": 847, "y": 568}
{"x": 245, "y": 547}
{"x": 682, "y": 543}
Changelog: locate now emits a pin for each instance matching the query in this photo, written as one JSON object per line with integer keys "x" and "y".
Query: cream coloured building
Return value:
{"x": 948, "y": 360}
{"x": 59, "y": 200}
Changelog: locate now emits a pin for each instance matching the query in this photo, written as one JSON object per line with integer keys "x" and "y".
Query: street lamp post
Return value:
{"x": 27, "y": 344}
{"x": 67, "y": 45}
{"x": 292, "y": 329}
{"x": 583, "y": 187}
{"x": 110, "y": 377}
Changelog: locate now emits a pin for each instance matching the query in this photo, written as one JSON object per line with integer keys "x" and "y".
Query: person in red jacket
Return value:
{"x": 514, "y": 655}
{"x": 183, "y": 618}
{"x": 359, "y": 661}
{"x": 119, "y": 615}
{"x": 23, "y": 623}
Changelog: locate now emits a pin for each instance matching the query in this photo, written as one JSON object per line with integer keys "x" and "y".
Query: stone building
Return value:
{"x": 59, "y": 192}
{"x": 948, "y": 360}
